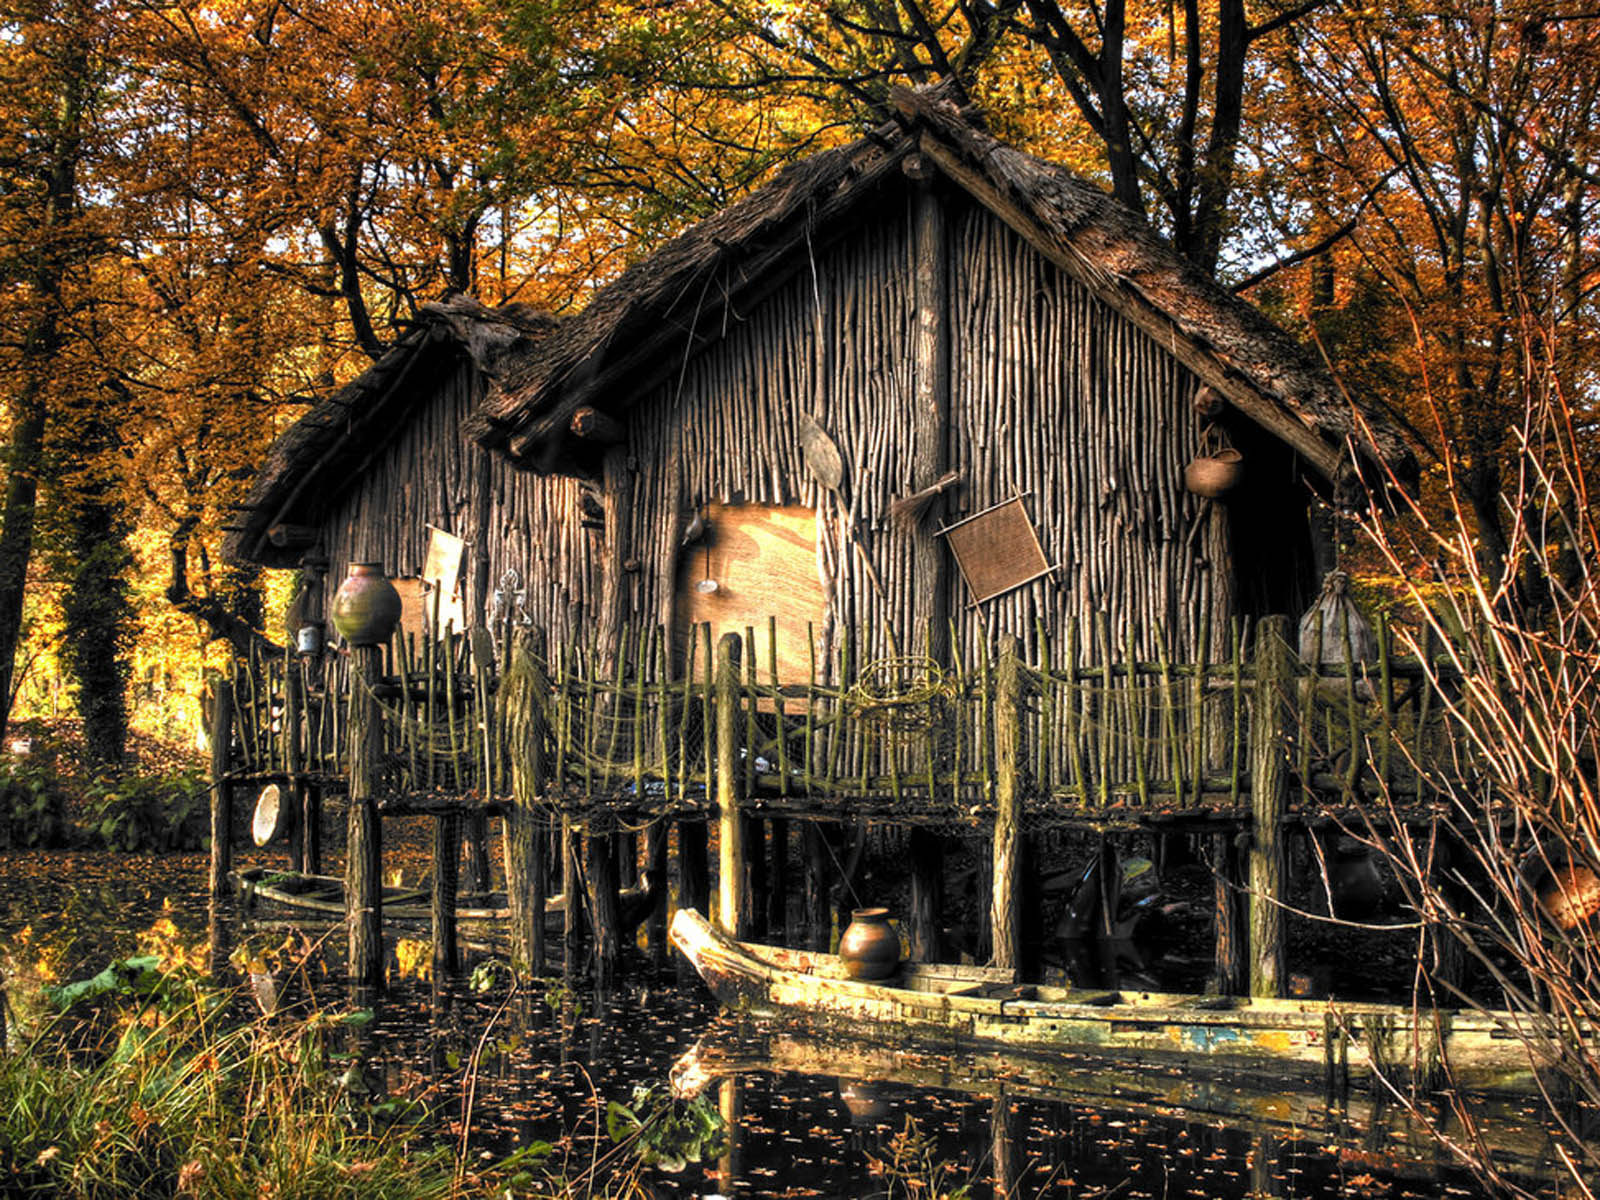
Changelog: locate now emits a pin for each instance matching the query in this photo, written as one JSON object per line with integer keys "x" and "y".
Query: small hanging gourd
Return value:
{"x": 1215, "y": 469}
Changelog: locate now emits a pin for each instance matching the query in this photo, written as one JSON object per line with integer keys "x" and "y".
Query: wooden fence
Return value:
{"x": 634, "y": 725}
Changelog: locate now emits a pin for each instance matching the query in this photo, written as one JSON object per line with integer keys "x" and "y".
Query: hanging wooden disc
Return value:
{"x": 267, "y": 823}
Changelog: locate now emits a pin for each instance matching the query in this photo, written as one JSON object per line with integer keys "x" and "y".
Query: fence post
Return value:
{"x": 363, "y": 874}
{"x": 1269, "y": 801}
{"x": 527, "y": 863}
{"x": 1005, "y": 910}
{"x": 221, "y": 793}
{"x": 730, "y": 825}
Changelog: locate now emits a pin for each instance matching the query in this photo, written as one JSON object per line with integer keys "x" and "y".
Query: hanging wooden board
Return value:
{"x": 997, "y": 550}
{"x": 443, "y": 565}
{"x": 763, "y": 560}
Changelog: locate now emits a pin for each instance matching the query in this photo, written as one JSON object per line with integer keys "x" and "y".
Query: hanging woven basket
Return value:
{"x": 1213, "y": 475}
{"x": 1215, "y": 469}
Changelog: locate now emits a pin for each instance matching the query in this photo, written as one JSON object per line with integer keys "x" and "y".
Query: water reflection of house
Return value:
{"x": 924, "y": 304}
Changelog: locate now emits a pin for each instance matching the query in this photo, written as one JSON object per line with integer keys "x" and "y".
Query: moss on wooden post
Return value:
{"x": 524, "y": 693}
{"x": 1005, "y": 910}
{"x": 221, "y": 796}
{"x": 363, "y": 876}
{"x": 731, "y": 899}
{"x": 1269, "y": 801}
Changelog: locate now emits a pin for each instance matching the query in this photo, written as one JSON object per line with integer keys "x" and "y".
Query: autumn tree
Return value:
{"x": 1458, "y": 145}
{"x": 50, "y": 85}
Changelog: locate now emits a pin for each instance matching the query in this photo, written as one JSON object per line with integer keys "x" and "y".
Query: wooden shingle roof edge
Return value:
{"x": 1224, "y": 340}
{"x": 639, "y": 328}
{"x": 311, "y": 463}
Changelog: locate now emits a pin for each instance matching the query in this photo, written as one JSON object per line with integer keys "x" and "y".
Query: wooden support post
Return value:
{"x": 600, "y": 865}
{"x": 221, "y": 791}
{"x": 655, "y": 878}
{"x": 778, "y": 883}
{"x": 756, "y": 894}
{"x": 293, "y": 705}
{"x": 1005, "y": 910}
{"x": 927, "y": 895}
{"x": 477, "y": 824}
{"x": 1446, "y": 956}
{"x": 627, "y": 848}
{"x": 524, "y": 693}
{"x": 731, "y": 882}
{"x": 363, "y": 874}
{"x": 694, "y": 867}
{"x": 310, "y": 798}
{"x": 817, "y": 918}
{"x": 929, "y": 559}
{"x": 572, "y": 896}
{"x": 1228, "y": 926}
{"x": 1269, "y": 801}
{"x": 446, "y": 873}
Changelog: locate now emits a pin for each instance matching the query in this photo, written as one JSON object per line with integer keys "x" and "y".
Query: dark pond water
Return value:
{"x": 808, "y": 1116}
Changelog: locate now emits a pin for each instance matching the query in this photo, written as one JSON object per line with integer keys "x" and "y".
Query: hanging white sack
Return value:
{"x": 1322, "y": 629}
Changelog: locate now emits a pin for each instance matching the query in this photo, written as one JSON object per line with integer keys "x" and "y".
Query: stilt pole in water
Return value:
{"x": 694, "y": 867}
{"x": 221, "y": 797}
{"x": 1228, "y": 927}
{"x": 817, "y": 919}
{"x": 363, "y": 876}
{"x": 527, "y": 862}
{"x": 655, "y": 866}
{"x": 927, "y": 894}
{"x": 731, "y": 899}
{"x": 1005, "y": 912}
{"x": 600, "y": 866}
{"x": 446, "y": 876}
{"x": 1269, "y": 801}
{"x": 572, "y": 895}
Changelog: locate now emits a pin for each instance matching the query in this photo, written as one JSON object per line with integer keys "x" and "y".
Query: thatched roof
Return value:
{"x": 316, "y": 459}
{"x": 605, "y": 356}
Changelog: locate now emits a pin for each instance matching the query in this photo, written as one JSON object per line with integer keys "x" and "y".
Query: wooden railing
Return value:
{"x": 634, "y": 726}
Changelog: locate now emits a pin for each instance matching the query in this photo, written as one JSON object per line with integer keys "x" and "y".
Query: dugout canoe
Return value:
{"x": 955, "y": 1006}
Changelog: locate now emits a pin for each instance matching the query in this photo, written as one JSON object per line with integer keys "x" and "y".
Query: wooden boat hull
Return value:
{"x": 955, "y": 1006}
{"x": 1398, "y": 1139}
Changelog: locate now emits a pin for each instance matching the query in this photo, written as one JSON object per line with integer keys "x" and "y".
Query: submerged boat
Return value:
{"x": 956, "y": 1006}
{"x": 323, "y": 896}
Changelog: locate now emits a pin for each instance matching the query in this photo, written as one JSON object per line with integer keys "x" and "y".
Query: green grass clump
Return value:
{"x": 150, "y": 1083}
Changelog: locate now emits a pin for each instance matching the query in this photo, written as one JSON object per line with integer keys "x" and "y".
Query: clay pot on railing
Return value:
{"x": 366, "y": 608}
{"x": 1215, "y": 474}
{"x": 869, "y": 946}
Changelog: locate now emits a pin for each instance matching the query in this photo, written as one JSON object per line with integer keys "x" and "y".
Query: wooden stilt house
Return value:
{"x": 919, "y": 397}
{"x": 725, "y": 431}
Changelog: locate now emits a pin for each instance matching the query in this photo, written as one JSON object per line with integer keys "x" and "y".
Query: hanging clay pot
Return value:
{"x": 366, "y": 608}
{"x": 1214, "y": 475}
{"x": 869, "y": 946}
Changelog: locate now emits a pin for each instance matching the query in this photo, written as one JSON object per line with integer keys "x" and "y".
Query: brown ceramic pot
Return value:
{"x": 870, "y": 947}
{"x": 366, "y": 608}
